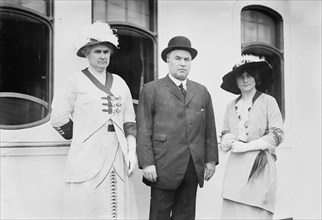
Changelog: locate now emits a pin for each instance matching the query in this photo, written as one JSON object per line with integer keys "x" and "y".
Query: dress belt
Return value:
{"x": 110, "y": 128}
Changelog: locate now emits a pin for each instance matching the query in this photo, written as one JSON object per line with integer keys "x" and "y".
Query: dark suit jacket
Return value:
{"x": 171, "y": 128}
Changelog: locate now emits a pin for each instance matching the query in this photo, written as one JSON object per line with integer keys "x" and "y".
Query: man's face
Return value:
{"x": 179, "y": 62}
{"x": 99, "y": 57}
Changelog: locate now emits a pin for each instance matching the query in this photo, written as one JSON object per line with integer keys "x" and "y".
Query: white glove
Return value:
{"x": 133, "y": 160}
{"x": 131, "y": 154}
{"x": 226, "y": 141}
{"x": 259, "y": 144}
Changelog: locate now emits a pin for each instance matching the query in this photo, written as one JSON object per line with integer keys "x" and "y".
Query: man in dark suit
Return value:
{"x": 177, "y": 141}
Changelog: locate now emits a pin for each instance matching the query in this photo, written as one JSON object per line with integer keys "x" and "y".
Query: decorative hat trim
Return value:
{"x": 96, "y": 33}
{"x": 248, "y": 58}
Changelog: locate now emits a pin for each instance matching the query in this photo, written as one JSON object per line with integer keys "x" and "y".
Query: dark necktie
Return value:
{"x": 182, "y": 90}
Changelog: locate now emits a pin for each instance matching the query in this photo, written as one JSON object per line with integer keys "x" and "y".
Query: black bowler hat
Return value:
{"x": 248, "y": 63}
{"x": 179, "y": 43}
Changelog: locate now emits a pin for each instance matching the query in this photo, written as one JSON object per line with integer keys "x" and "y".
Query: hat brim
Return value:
{"x": 167, "y": 50}
{"x": 80, "y": 51}
{"x": 229, "y": 83}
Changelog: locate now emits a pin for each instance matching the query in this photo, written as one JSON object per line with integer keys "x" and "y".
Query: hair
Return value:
{"x": 87, "y": 48}
{"x": 255, "y": 74}
{"x": 168, "y": 54}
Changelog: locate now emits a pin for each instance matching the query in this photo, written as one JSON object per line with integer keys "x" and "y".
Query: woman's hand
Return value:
{"x": 227, "y": 140}
{"x": 240, "y": 147}
{"x": 132, "y": 161}
{"x": 258, "y": 144}
{"x": 131, "y": 154}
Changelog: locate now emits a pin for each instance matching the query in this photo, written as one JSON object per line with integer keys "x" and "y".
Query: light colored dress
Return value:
{"x": 252, "y": 197}
{"x": 96, "y": 179}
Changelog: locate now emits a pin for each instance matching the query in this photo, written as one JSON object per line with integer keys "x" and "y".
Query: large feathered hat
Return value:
{"x": 179, "y": 43}
{"x": 248, "y": 63}
{"x": 96, "y": 33}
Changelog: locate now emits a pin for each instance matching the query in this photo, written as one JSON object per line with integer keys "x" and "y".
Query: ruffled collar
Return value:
{"x": 242, "y": 109}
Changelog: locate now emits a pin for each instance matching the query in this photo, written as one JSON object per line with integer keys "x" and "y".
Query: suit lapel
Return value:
{"x": 173, "y": 88}
{"x": 190, "y": 92}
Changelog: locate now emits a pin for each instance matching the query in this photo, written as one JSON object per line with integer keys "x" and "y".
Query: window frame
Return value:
{"x": 139, "y": 30}
{"x": 48, "y": 21}
{"x": 271, "y": 51}
{"x": 149, "y": 33}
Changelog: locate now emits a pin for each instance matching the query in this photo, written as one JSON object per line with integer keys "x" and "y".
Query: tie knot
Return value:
{"x": 182, "y": 89}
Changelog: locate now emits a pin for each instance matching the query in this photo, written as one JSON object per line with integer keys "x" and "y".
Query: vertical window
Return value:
{"x": 262, "y": 35}
{"x": 25, "y": 63}
{"x": 135, "y": 22}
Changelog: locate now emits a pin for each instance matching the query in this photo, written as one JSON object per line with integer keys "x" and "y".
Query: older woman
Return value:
{"x": 252, "y": 129}
{"x": 94, "y": 108}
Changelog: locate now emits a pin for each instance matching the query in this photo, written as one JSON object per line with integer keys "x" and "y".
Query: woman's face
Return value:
{"x": 99, "y": 57}
{"x": 246, "y": 82}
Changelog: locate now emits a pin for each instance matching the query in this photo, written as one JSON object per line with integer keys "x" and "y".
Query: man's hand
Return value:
{"x": 150, "y": 173}
{"x": 210, "y": 169}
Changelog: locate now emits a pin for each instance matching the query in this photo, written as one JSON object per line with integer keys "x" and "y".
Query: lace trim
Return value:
{"x": 242, "y": 109}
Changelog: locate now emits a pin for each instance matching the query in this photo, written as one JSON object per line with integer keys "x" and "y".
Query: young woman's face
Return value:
{"x": 99, "y": 57}
{"x": 246, "y": 82}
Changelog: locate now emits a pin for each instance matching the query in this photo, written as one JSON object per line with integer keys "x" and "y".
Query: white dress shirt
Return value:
{"x": 178, "y": 82}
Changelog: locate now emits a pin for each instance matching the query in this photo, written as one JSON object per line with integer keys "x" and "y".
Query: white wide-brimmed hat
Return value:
{"x": 96, "y": 33}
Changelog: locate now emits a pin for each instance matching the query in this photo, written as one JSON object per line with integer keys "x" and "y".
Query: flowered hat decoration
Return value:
{"x": 249, "y": 63}
{"x": 96, "y": 33}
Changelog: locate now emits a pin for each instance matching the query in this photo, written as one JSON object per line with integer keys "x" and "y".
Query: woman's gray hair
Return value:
{"x": 86, "y": 49}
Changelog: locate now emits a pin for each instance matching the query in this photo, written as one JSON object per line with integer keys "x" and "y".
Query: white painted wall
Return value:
{"x": 303, "y": 102}
{"x": 32, "y": 178}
